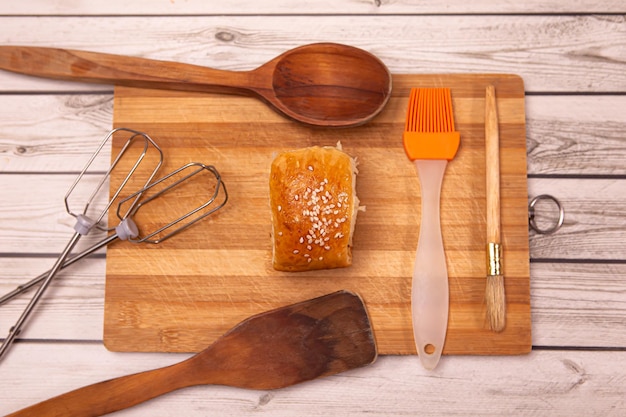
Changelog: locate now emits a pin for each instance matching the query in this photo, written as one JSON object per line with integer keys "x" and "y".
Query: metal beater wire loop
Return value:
{"x": 216, "y": 199}
{"x": 132, "y": 140}
{"x": 531, "y": 214}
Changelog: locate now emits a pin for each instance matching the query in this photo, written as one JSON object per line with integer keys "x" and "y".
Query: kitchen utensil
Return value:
{"x": 213, "y": 190}
{"x": 494, "y": 290}
{"x": 323, "y": 84}
{"x": 91, "y": 215}
{"x": 275, "y": 349}
{"x": 430, "y": 141}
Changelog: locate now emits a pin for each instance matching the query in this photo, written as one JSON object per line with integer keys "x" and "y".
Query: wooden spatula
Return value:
{"x": 282, "y": 347}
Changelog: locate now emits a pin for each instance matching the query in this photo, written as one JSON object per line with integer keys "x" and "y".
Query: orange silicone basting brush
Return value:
{"x": 430, "y": 142}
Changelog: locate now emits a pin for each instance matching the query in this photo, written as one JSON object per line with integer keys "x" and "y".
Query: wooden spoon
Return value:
{"x": 297, "y": 343}
{"x": 324, "y": 84}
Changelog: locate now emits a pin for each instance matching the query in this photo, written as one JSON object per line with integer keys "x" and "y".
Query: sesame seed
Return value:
{"x": 301, "y": 239}
{"x": 295, "y": 197}
{"x": 280, "y": 208}
{"x": 309, "y": 260}
{"x": 321, "y": 258}
{"x": 327, "y": 247}
{"x": 310, "y": 168}
{"x": 296, "y": 251}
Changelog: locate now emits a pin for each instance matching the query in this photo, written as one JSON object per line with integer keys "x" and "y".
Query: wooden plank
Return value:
{"x": 159, "y": 293}
{"x": 562, "y": 312}
{"x": 48, "y": 133}
{"x": 470, "y": 43}
{"x": 576, "y": 135}
{"x": 70, "y": 309}
{"x": 573, "y": 135}
{"x": 34, "y": 219}
{"x": 304, "y": 7}
{"x": 544, "y": 383}
{"x": 595, "y": 222}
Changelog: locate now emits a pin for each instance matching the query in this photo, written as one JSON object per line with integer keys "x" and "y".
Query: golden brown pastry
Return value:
{"x": 314, "y": 206}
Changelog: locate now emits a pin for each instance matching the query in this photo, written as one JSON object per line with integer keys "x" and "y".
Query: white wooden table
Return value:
{"x": 572, "y": 58}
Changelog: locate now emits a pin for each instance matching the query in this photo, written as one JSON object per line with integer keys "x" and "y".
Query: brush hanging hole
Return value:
{"x": 429, "y": 349}
{"x": 532, "y": 218}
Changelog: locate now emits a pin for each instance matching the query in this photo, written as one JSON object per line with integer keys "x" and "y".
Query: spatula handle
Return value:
{"x": 112, "y": 395}
{"x": 429, "y": 294}
{"x": 94, "y": 67}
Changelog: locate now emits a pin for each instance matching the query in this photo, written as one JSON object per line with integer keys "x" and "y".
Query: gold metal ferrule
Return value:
{"x": 494, "y": 259}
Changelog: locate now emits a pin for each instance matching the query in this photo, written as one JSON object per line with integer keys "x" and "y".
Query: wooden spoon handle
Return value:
{"x": 492, "y": 149}
{"x": 112, "y": 395}
{"x": 93, "y": 67}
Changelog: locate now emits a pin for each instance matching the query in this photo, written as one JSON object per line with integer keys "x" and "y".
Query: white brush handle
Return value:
{"x": 429, "y": 295}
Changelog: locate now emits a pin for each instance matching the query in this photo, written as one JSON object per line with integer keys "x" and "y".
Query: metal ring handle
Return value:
{"x": 531, "y": 214}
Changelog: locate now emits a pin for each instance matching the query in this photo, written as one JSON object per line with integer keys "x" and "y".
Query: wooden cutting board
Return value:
{"x": 180, "y": 295}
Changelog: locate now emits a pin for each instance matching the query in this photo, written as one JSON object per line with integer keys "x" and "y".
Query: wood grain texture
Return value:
{"x": 569, "y": 62}
{"x": 44, "y": 225}
{"x": 547, "y": 382}
{"x": 35, "y": 222}
{"x": 275, "y": 349}
{"x": 306, "y": 7}
{"x": 561, "y": 141}
{"x": 585, "y": 234}
{"x": 575, "y": 304}
{"x": 181, "y": 295}
{"x": 492, "y": 166}
{"x": 529, "y": 45}
{"x": 72, "y": 307}
{"x": 578, "y": 304}
{"x": 36, "y": 129}
{"x": 565, "y": 135}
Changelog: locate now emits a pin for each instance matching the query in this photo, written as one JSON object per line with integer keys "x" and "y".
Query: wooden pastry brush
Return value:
{"x": 430, "y": 141}
{"x": 494, "y": 292}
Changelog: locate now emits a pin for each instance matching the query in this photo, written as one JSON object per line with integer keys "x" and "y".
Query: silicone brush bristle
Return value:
{"x": 429, "y": 130}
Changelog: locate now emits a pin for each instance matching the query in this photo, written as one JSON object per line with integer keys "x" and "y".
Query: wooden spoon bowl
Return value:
{"x": 329, "y": 84}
